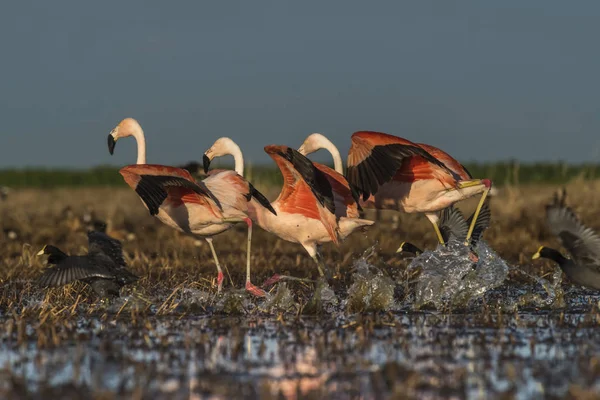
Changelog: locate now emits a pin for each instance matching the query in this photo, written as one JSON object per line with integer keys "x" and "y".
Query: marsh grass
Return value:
{"x": 170, "y": 264}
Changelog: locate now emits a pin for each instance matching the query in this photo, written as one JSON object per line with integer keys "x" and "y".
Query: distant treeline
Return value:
{"x": 501, "y": 173}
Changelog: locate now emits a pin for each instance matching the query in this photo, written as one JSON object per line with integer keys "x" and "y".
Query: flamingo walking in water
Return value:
{"x": 202, "y": 209}
{"x": 395, "y": 173}
{"x": 307, "y": 207}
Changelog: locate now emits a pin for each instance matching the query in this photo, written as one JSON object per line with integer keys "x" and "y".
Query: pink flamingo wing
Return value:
{"x": 159, "y": 185}
{"x": 342, "y": 192}
{"x": 374, "y": 159}
{"x": 447, "y": 159}
{"x": 297, "y": 196}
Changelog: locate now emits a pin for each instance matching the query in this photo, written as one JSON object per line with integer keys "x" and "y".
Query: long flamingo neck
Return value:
{"x": 138, "y": 134}
{"x": 335, "y": 153}
{"x": 238, "y": 158}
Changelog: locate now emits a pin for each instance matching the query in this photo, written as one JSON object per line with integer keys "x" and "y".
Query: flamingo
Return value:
{"x": 345, "y": 196}
{"x": 317, "y": 141}
{"x": 307, "y": 207}
{"x": 202, "y": 209}
{"x": 395, "y": 173}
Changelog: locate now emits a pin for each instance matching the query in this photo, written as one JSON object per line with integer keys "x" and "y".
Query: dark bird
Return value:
{"x": 582, "y": 243}
{"x": 103, "y": 268}
{"x": 454, "y": 226}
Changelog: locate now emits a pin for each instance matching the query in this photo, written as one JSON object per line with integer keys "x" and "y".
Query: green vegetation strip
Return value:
{"x": 502, "y": 173}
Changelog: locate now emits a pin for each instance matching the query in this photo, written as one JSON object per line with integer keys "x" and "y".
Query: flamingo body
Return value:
{"x": 312, "y": 204}
{"x": 203, "y": 209}
{"x": 395, "y": 173}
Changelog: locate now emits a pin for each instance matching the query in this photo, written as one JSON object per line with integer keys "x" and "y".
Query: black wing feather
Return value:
{"x": 101, "y": 243}
{"x": 582, "y": 242}
{"x": 453, "y": 225}
{"x": 152, "y": 189}
{"x": 383, "y": 163}
{"x": 483, "y": 222}
{"x": 72, "y": 269}
{"x": 260, "y": 198}
{"x": 316, "y": 180}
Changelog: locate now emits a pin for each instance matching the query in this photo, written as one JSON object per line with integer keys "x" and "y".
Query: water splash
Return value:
{"x": 371, "y": 290}
{"x": 323, "y": 300}
{"x": 233, "y": 303}
{"x": 449, "y": 277}
{"x": 281, "y": 301}
{"x": 193, "y": 299}
{"x": 554, "y": 293}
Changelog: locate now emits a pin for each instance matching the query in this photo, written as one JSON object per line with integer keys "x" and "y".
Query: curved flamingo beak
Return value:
{"x": 206, "y": 163}
{"x": 111, "y": 144}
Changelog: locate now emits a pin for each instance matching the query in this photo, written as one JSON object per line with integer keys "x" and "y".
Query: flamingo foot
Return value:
{"x": 255, "y": 290}
{"x": 220, "y": 277}
{"x": 272, "y": 280}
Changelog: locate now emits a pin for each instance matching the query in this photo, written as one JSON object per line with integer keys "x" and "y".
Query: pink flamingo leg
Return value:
{"x": 250, "y": 287}
{"x": 220, "y": 275}
{"x": 313, "y": 252}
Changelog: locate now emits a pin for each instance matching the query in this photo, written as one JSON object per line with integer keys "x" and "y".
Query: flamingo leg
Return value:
{"x": 250, "y": 287}
{"x": 433, "y": 218}
{"x": 476, "y": 215}
{"x": 219, "y": 271}
{"x": 312, "y": 250}
{"x": 320, "y": 265}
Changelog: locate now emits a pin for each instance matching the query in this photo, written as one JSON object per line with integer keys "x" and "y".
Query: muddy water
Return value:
{"x": 454, "y": 331}
{"x": 533, "y": 354}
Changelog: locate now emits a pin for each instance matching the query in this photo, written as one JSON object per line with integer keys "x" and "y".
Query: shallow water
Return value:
{"x": 476, "y": 355}
{"x": 375, "y": 338}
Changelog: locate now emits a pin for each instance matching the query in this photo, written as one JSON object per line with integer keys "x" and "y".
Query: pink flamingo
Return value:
{"x": 306, "y": 207}
{"x": 317, "y": 141}
{"x": 346, "y": 197}
{"x": 395, "y": 173}
{"x": 202, "y": 209}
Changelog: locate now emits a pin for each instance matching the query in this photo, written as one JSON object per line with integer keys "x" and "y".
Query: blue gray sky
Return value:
{"x": 482, "y": 80}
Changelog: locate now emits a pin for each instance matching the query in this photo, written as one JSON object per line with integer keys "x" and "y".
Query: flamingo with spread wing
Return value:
{"x": 394, "y": 173}
{"x": 310, "y": 209}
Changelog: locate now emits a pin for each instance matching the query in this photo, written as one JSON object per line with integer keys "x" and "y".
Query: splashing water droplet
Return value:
{"x": 449, "y": 277}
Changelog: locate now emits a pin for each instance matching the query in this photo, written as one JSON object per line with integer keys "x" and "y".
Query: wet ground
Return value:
{"x": 529, "y": 341}
{"x": 543, "y": 354}
{"x": 383, "y": 327}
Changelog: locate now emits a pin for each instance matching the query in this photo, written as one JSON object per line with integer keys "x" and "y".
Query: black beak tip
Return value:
{"x": 206, "y": 163}
{"x": 111, "y": 144}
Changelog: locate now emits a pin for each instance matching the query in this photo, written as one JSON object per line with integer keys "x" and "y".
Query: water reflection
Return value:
{"x": 524, "y": 355}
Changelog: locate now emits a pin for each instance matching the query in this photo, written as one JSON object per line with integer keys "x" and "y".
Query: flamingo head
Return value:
{"x": 312, "y": 143}
{"x": 127, "y": 127}
{"x": 221, "y": 147}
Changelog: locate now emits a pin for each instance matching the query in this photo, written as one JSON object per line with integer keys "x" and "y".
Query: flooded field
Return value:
{"x": 530, "y": 354}
{"x": 384, "y": 326}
